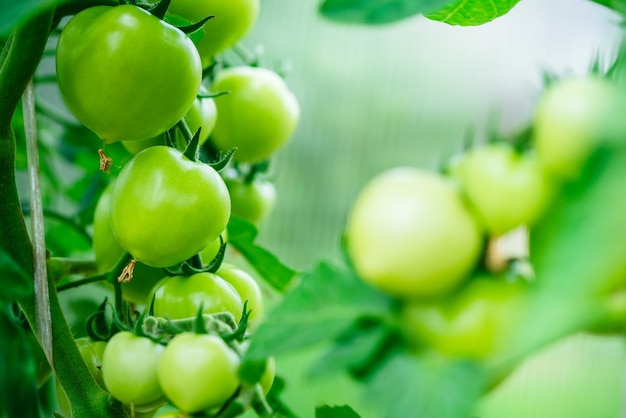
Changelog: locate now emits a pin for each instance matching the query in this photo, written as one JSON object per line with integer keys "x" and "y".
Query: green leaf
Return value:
{"x": 430, "y": 386}
{"x": 15, "y": 12}
{"x": 325, "y": 304}
{"x": 578, "y": 254}
{"x": 376, "y": 12}
{"x": 343, "y": 411}
{"x": 16, "y": 283}
{"x": 355, "y": 350}
{"x": 18, "y": 387}
{"x": 472, "y": 12}
{"x": 241, "y": 235}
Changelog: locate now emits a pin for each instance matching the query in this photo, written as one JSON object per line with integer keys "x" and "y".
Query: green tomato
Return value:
{"x": 248, "y": 290}
{"x": 410, "y": 234}
{"x": 252, "y": 201}
{"x": 92, "y": 353}
{"x": 108, "y": 252}
{"x": 571, "y": 118}
{"x": 233, "y": 19}
{"x": 198, "y": 371}
{"x": 129, "y": 368}
{"x": 258, "y": 116}
{"x": 473, "y": 323}
{"x": 126, "y": 74}
{"x": 507, "y": 189}
{"x": 180, "y": 297}
{"x": 202, "y": 114}
{"x": 166, "y": 208}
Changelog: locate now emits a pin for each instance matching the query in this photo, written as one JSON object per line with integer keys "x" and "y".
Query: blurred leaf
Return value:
{"x": 241, "y": 235}
{"x": 428, "y": 385}
{"x": 578, "y": 248}
{"x": 15, "y": 12}
{"x": 274, "y": 400}
{"x": 472, "y": 12}
{"x": 355, "y": 350}
{"x": 375, "y": 12}
{"x": 335, "y": 412}
{"x": 18, "y": 387}
{"x": 326, "y": 303}
{"x": 577, "y": 251}
{"x": 16, "y": 283}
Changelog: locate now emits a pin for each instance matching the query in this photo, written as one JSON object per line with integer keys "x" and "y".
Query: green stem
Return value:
{"x": 81, "y": 282}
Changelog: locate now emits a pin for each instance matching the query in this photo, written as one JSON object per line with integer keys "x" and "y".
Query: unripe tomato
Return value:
{"x": 233, "y": 19}
{"x": 202, "y": 114}
{"x": 410, "y": 234}
{"x": 108, "y": 252}
{"x": 248, "y": 289}
{"x": 471, "y": 324}
{"x": 92, "y": 353}
{"x": 507, "y": 189}
{"x": 571, "y": 119}
{"x": 252, "y": 201}
{"x": 198, "y": 371}
{"x": 126, "y": 74}
{"x": 258, "y": 116}
{"x": 129, "y": 368}
{"x": 166, "y": 208}
{"x": 267, "y": 379}
{"x": 181, "y": 297}
{"x": 210, "y": 252}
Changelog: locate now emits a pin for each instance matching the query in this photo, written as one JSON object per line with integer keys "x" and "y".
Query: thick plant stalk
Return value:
{"x": 42, "y": 299}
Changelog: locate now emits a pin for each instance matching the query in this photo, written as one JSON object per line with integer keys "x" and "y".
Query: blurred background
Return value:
{"x": 407, "y": 94}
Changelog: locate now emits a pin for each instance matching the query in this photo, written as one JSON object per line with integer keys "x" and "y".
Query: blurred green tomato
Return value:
{"x": 410, "y": 234}
{"x": 252, "y": 201}
{"x": 248, "y": 289}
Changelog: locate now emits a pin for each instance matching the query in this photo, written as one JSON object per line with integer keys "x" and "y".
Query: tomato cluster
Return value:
{"x": 427, "y": 238}
{"x": 128, "y": 74}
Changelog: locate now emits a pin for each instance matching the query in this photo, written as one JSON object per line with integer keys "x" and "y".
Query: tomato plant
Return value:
{"x": 411, "y": 234}
{"x": 257, "y": 117}
{"x": 198, "y": 371}
{"x": 166, "y": 208}
{"x": 159, "y": 257}
{"x": 126, "y": 74}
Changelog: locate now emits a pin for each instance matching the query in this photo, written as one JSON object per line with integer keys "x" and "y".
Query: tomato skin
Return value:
{"x": 181, "y": 297}
{"x": 166, "y": 208}
{"x": 506, "y": 188}
{"x": 198, "y": 371}
{"x": 410, "y": 234}
{"x": 129, "y": 368}
{"x": 108, "y": 252}
{"x": 233, "y": 19}
{"x": 258, "y": 116}
{"x": 202, "y": 114}
{"x": 571, "y": 119}
{"x": 472, "y": 323}
{"x": 92, "y": 353}
{"x": 103, "y": 57}
{"x": 248, "y": 290}
{"x": 267, "y": 379}
{"x": 252, "y": 201}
